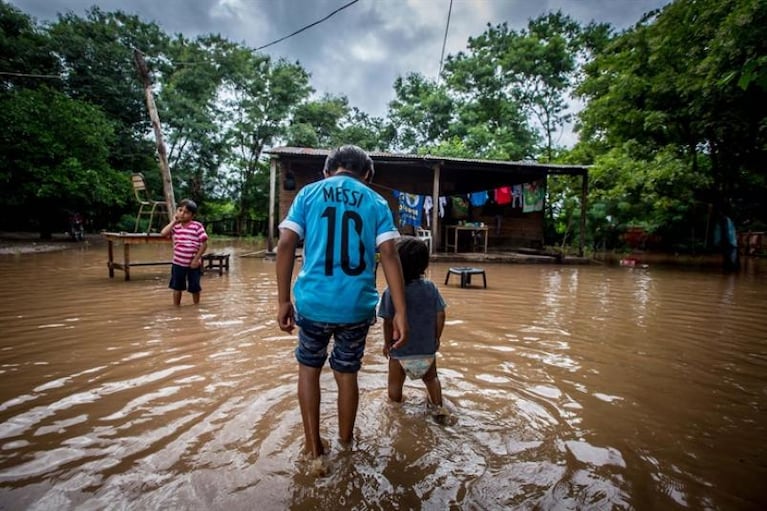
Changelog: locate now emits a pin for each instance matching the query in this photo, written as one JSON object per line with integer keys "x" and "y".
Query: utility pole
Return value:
{"x": 167, "y": 182}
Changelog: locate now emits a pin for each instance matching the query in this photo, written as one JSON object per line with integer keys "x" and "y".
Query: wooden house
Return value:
{"x": 509, "y": 224}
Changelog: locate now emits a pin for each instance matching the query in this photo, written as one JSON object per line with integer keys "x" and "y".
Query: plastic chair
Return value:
{"x": 147, "y": 206}
{"x": 425, "y": 236}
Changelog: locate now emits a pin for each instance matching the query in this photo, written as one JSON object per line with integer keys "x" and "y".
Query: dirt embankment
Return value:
{"x": 30, "y": 242}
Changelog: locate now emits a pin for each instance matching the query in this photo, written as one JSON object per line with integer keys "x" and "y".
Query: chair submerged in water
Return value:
{"x": 465, "y": 273}
{"x": 147, "y": 206}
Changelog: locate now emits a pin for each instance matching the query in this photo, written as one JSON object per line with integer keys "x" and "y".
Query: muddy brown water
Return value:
{"x": 571, "y": 387}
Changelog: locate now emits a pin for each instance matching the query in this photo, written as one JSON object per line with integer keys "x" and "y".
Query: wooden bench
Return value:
{"x": 465, "y": 272}
{"x": 213, "y": 260}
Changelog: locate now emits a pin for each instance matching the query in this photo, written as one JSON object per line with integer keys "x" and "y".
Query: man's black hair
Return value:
{"x": 350, "y": 157}
{"x": 414, "y": 256}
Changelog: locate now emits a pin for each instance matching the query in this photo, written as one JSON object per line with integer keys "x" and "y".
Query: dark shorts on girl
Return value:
{"x": 348, "y": 345}
{"x": 180, "y": 275}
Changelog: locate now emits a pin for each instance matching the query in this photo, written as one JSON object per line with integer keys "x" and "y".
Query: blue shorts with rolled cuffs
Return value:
{"x": 179, "y": 275}
{"x": 348, "y": 346}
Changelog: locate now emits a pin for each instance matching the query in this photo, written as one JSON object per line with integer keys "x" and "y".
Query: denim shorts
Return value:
{"x": 179, "y": 275}
{"x": 348, "y": 344}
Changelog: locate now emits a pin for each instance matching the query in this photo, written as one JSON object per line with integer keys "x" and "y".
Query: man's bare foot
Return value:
{"x": 324, "y": 448}
{"x": 318, "y": 467}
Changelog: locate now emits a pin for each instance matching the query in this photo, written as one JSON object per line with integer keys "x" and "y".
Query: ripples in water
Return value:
{"x": 569, "y": 387}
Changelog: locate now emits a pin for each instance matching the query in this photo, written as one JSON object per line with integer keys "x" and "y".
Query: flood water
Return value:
{"x": 571, "y": 387}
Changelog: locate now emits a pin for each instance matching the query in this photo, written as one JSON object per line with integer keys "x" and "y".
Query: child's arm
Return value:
{"x": 396, "y": 282}
{"x": 440, "y": 327}
{"x": 286, "y": 251}
{"x": 165, "y": 232}
{"x": 197, "y": 259}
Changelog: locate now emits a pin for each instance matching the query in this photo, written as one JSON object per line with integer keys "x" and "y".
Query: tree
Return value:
{"x": 422, "y": 111}
{"x": 25, "y": 57}
{"x": 54, "y": 157}
{"x": 511, "y": 77}
{"x": 668, "y": 87}
{"x": 258, "y": 98}
{"x": 96, "y": 53}
{"x": 317, "y": 123}
{"x": 187, "y": 100}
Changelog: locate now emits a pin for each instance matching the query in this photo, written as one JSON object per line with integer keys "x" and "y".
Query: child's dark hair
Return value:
{"x": 189, "y": 204}
{"x": 414, "y": 256}
{"x": 350, "y": 157}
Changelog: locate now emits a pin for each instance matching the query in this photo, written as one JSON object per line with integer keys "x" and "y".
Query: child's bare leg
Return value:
{"x": 433, "y": 386}
{"x": 309, "y": 400}
{"x": 348, "y": 400}
{"x": 196, "y": 298}
{"x": 396, "y": 380}
{"x": 176, "y": 297}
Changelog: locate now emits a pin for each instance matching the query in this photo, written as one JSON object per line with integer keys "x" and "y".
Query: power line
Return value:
{"x": 444, "y": 42}
{"x": 310, "y": 25}
{"x": 29, "y": 75}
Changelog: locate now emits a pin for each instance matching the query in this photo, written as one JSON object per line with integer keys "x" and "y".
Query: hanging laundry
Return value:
{"x": 410, "y": 208}
{"x": 503, "y": 195}
{"x": 516, "y": 196}
{"x": 459, "y": 207}
{"x": 478, "y": 199}
{"x": 428, "y": 205}
{"x": 533, "y": 197}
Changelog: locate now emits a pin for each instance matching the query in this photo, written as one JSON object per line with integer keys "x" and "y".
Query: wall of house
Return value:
{"x": 509, "y": 227}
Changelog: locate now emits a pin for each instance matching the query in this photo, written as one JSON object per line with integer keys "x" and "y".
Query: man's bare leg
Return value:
{"x": 309, "y": 400}
{"x": 176, "y": 297}
{"x": 348, "y": 400}
{"x": 196, "y": 298}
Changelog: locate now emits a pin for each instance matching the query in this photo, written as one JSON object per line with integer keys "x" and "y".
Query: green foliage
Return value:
{"x": 25, "y": 50}
{"x": 96, "y": 53}
{"x": 422, "y": 110}
{"x": 674, "y": 117}
{"x": 188, "y": 110}
{"x": 260, "y": 96}
{"x": 54, "y": 156}
{"x": 511, "y": 80}
{"x": 675, "y": 107}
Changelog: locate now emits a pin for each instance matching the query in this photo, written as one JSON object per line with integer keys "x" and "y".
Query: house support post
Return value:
{"x": 435, "y": 230}
{"x": 584, "y": 194}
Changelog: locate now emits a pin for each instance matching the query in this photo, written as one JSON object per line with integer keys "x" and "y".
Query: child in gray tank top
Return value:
{"x": 426, "y": 320}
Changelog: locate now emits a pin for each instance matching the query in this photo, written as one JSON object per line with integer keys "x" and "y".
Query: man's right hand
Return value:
{"x": 285, "y": 317}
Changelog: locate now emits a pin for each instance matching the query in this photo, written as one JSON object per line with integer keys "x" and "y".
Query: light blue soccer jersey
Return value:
{"x": 341, "y": 221}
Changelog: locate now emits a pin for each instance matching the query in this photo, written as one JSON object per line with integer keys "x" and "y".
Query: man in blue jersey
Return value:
{"x": 342, "y": 222}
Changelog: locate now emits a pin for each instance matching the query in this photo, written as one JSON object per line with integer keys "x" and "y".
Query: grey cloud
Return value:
{"x": 407, "y": 35}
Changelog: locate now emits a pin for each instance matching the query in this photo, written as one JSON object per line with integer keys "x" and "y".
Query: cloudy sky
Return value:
{"x": 363, "y": 48}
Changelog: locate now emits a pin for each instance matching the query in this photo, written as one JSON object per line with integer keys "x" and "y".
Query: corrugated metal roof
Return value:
{"x": 378, "y": 155}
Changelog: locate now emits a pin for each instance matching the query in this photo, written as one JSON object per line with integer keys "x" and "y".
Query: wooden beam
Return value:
{"x": 272, "y": 194}
{"x": 167, "y": 182}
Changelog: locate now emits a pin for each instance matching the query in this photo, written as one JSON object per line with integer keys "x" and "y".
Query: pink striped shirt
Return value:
{"x": 186, "y": 241}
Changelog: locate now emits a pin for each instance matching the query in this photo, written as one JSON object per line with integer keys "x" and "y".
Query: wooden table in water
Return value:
{"x": 127, "y": 239}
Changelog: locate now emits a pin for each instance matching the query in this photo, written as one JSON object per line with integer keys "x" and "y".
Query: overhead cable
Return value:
{"x": 308, "y": 26}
